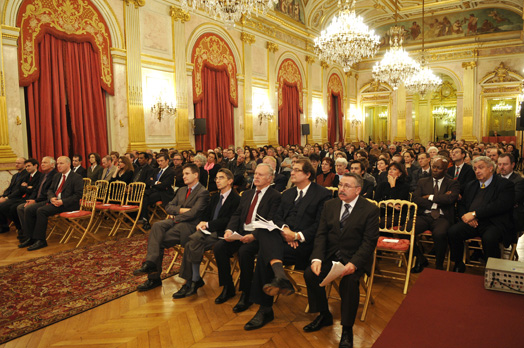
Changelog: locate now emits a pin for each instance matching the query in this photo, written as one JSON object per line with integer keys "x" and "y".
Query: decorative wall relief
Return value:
{"x": 289, "y": 73}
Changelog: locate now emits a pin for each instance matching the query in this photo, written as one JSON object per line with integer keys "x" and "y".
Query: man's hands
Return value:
{"x": 349, "y": 268}
{"x": 56, "y": 202}
{"x": 184, "y": 210}
{"x": 248, "y": 238}
{"x": 201, "y": 225}
{"x": 29, "y": 202}
{"x": 316, "y": 266}
{"x": 470, "y": 219}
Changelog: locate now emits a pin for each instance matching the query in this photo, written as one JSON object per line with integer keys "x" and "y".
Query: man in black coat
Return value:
{"x": 13, "y": 190}
{"x": 63, "y": 195}
{"x": 357, "y": 167}
{"x": 77, "y": 166}
{"x": 261, "y": 201}
{"x": 348, "y": 232}
{"x": 280, "y": 180}
{"x": 505, "y": 167}
{"x": 462, "y": 172}
{"x": 486, "y": 211}
{"x": 435, "y": 197}
{"x": 298, "y": 216}
{"x": 214, "y": 221}
{"x": 143, "y": 171}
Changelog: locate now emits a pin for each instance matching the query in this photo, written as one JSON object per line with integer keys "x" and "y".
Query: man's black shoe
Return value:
{"x": 227, "y": 292}
{"x": 39, "y": 244}
{"x": 459, "y": 267}
{"x": 193, "y": 287}
{"x": 260, "y": 319}
{"x": 279, "y": 286}
{"x": 149, "y": 284}
{"x": 147, "y": 268}
{"x": 346, "y": 341}
{"x": 243, "y": 303}
{"x": 319, "y": 322}
{"x": 26, "y": 243}
{"x": 419, "y": 266}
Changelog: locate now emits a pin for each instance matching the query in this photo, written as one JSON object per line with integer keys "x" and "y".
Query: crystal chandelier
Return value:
{"x": 161, "y": 110}
{"x": 346, "y": 40}
{"x": 230, "y": 11}
{"x": 397, "y": 65}
{"x": 424, "y": 80}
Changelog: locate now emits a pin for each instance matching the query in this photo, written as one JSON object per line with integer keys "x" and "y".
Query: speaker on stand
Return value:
{"x": 305, "y": 130}
{"x": 200, "y": 129}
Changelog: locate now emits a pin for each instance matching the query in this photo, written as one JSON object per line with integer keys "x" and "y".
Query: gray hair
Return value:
{"x": 341, "y": 160}
{"x": 201, "y": 158}
{"x": 52, "y": 161}
{"x": 271, "y": 171}
{"x": 358, "y": 178}
{"x": 486, "y": 160}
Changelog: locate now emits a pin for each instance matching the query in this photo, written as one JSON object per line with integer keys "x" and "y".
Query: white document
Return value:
{"x": 336, "y": 271}
{"x": 205, "y": 231}
{"x": 387, "y": 240}
{"x": 234, "y": 236}
{"x": 265, "y": 224}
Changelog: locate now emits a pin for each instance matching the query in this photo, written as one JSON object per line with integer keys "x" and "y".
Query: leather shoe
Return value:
{"x": 320, "y": 321}
{"x": 260, "y": 319}
{"x": 243, "y": 303}
{"x": 188, "y": 289}
{"x": 419, "y": 266}
{"x": 459, "y": 267}
{"x": 147, "y": 268}
{"x": 25, "y": 243}
{"x": 39, "y": 244}
{"x": 279, "y": 286}
{"x": 146, "y": 226}
{"x": 227, "y": 293}
{"x": 149, "y": 284}
{"x": 346, "y": 341}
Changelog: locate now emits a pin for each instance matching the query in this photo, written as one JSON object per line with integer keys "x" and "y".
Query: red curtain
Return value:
{"x": 69, "y": 81}
{"x": 289, "y": 116}
{"x": 333, "y": 120}
{"x": 217, "y": 109}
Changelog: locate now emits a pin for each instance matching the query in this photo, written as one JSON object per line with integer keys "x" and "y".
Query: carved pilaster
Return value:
{"x": 137, "y": 3}
{"x": 179, "y": 15}
{"x": 310, "y": 59}
{"x": 272, "y": 47}
{"x": 324, "y": 65}
{"x": 247, "y": 38}
{"x": 468, "y": 65}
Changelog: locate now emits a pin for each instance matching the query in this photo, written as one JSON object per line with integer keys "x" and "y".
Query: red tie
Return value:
{"x": 188, "y": 192}
{"x": 252, "y": 208}
{"x": 59, "y": 190}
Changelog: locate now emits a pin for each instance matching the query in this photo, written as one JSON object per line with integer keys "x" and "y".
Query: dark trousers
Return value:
{"x": 8, "y": 211}
{"x": 439, "y": 230}
{"x": 36, "y": 216}
{"x": 194, "y": 250}
{"x": 491, "y": 237}
{"x": 349, "y": 293}
{"x": 150, "y": 198}
{"x": 224, "y": 250}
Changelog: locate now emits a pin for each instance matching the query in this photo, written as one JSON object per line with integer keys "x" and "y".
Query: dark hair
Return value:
{"x": 329, "y": 160}
{"x": 314, "y": 157}
{"x": 307, "y": 167}
{"x": 362, "y": 153}
{"x": 146, "y": 155}
{"x": 362, "y": 167}
{"x": 97, "y": 157}
{"x": 128, "y": 164}
{"x": 502, "y": 155}
{"x": 32, "y": 161}
{"x": 401, "y": 168}
{"x": 78, "y": 156}
{"x": 228, "y": 173}
{"x": 193, "y": 167}
{"x": 163, "y": 155}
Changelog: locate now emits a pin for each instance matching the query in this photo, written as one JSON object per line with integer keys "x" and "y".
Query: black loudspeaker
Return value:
{"x": 522, "y": 113}
{"x": 520, "y": 122}
{"x": 305, "y": 129}
{"x": 200, "y": 126}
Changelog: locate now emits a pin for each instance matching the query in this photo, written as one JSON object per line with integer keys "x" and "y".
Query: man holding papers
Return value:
{"x": 219, "y": 210}
{"x": 261, "y": 201}
{"x": 291, "y": 243}
{"x": 348, "y": 232}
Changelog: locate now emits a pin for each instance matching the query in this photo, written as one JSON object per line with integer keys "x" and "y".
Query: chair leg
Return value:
{"x": 369, "y": 285}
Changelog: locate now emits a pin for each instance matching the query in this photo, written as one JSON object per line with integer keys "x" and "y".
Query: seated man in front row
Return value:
{"x": 185, "y": 212}
{"x": 299, "y": 213}
{"x": 348, "y": 232}
{"x": 219, "y": 210}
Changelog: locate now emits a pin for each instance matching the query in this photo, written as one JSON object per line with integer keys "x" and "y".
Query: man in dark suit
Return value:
{"x": 63, "y": 195}
{"x": 177, "y": 167}
{"x": 77, "y": 166}
{"x": 505, "y": 167}
{"x": 348, "y": 232}
{"x": 159, "y": 187}
{"x": 143, "y": 171}
{"x": 435, "y": 198}
{"x": 13, "y": 190}
{"x": 262, "y": 201}
{"x": 28, "y": 185}
{"x": 486, "y": 211}
{"x": 462, "y": 172}
{"x": 357, "y": 167}
{"x": 298, "y": 215}
{"x": 47, "y": 167}
{"x": 185, "y": 212}
{"x": 280, "y": 180}
{"x": 219, "y": 210}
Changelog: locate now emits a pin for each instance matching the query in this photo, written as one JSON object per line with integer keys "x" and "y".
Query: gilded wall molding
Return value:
{"x": 137, "y": 3}
{"x": 310, "y": 59}
{"x": 272, "y": 47}
{"x": 468, "y": 65}
{"x": 247, "y": 38}
{"x": 324, "y": 65}
{"x": 501, "y": 74}
{"x": 179, "y": 15}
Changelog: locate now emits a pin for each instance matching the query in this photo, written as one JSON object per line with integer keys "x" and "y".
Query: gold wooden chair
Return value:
{"x": 475, "y": 243}
{"x": 87, "y": 182}
{"x": 398, "y": 219}
{"x": 115, "y": 195}
{"x": 133, "y": 205}
{"x": 103, "y": 187}
{"x": 333, "y": 190}
{"x": 425, "y": 242}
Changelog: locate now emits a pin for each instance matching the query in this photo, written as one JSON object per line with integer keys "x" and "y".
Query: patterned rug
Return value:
{"x": 43, "y": 291}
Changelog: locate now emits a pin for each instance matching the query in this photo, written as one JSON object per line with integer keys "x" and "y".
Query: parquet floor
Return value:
{"x": 153, "y": 319}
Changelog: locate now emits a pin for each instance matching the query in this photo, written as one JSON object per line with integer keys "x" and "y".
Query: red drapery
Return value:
{"x": 216, "y": 108}
{"x": 69, "y": 79}
{"x": 289, "y": 116}
{"x": 333, "y": 120}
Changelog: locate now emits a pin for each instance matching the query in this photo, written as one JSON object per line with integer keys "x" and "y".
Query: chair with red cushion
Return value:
{"x": 114, "y": 195}
{"x": 128, "y": 214}
{"x": 397, "y": 228}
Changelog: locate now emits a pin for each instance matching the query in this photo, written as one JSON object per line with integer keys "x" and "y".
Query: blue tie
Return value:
{"x": 159, "y": 174}
{"x": 217, "y": 209}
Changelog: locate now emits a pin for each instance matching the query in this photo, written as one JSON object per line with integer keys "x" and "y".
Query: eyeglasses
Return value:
{"x": 296, "y": 170}
{"x": 220, "y": 178}
{"x": 346, "y": 186}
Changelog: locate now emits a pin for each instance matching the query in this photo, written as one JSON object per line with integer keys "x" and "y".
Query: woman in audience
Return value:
{"x": 125, "y": 170}
{"x": 341, "y": 167}
{"x": 94, "y": 171}
{"x": 200, "y": 160}
{"x": 327, "y": 178}
{"x": 396, "y": 186}
{"x": 381, "y": 172}
{"x": 251, "y": 165}
{"x": 212, "y": 168}
{"x": 185, "y": 157}
{"x": 262, "y": 153}
{"x": 114, "y": 156}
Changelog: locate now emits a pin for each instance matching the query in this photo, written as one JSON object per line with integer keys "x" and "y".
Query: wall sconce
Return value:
{"x": 162, "y": 110}
{"x": 354, "y": 116}
{"x": 264, "y": 111}
{"x": 321, "y": 118}
{"x": 383, "y": 115}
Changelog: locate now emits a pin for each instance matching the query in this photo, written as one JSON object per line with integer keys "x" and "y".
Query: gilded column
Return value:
{"x": 468, "y": 101}
{"x": 309, "y": 113}
{"x": 325, "y": 98}
{"x": 400, "y": 114}
{"x": 6, "y": 152}
{"x": 247, "y": 41}
{"x": 409, "y": 117}
{"x": 425, "y": 121}
{"x": 351, "y": 132}
{"x": 137, "y": 134}
{"x": 272, "y": 48}
{"x": 178, "y": 18}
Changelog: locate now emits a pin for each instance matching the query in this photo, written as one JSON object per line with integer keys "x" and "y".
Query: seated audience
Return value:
{"x": 280, "y": 180}
{"x": 77, "y": 166}
{"x": 124, "y": 172}
{"x": 212, "y": 168}
{"x": 94, "y": 171}
{"x": 109, "y": 168}
{"x": 366, "y": 189}
{"x": 396, "y": 187}
{"x": 200, "y": 160}
{"x": 143, "y": 170}
{"x": 460, "y": 171}
{"x": 327, "y": 178}
{"x": 505, "y": 167}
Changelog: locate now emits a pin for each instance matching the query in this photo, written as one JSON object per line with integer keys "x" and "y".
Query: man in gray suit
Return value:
{"x": 185, "y": 212}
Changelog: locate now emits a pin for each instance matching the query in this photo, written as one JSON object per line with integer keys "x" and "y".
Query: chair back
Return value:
{"x": 89, "y": 198}
{"x": 399, "y": 216}
{"x": 333, "y": 190}
{"x": 372, "y": 201}
{"x": 87, "y": 182}
{"x": 135, "y": 193}
{"x": 117, "y": 192}
{"x": 103, "y": 186}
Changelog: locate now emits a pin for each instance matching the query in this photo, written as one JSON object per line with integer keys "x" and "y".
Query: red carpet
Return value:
{"x": 453, "y": 310}
{"x": 43, "y": 291}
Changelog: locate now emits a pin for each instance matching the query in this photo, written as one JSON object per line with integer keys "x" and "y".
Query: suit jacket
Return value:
{"x": 13, "y": 190}
{"x": 107, "y": 176}
{"x": 280, "y": 182}
{"x": 164, "y": 185}
{"x": 518, "y": 210}
{"x": 32, "y": 185}
{"x": 367, "y": 189}
{"x": 71, "y": 191}
{"x": 81, "y": 171}
{"x": 95, "y": 175}
{"x": 354, "y": 243}
{"x": 465, "y": 176}
{"x": 385, "y": 191}
{"x": 266, "y": 208}
{"x": 142, "y": 174}
{"x": 446, "y": 202}
{"x": 197, "y": 202}
{"x": 45, "y": 183}
{"x": 226, "y": 211}
{"x": 497, "y": 205}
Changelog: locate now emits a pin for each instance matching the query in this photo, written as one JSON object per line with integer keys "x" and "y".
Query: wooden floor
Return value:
{"x": 153, "y": 319}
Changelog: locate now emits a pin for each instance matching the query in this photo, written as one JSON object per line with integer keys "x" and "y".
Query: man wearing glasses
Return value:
{"x": 348, "y": 232}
